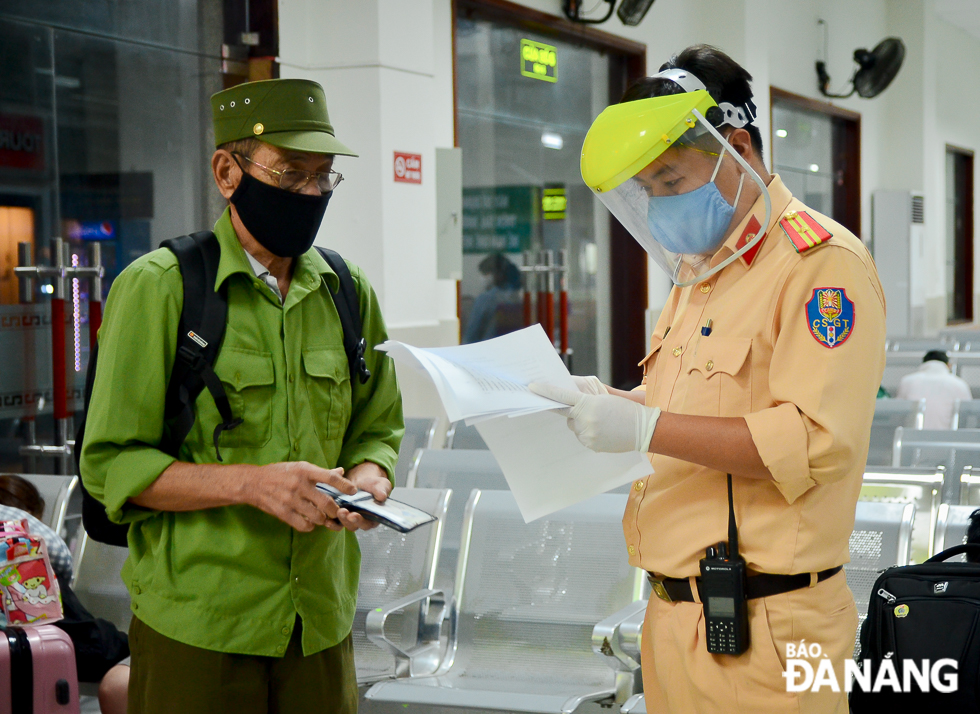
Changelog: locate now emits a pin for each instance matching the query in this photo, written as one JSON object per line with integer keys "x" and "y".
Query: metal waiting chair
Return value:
{"x": 969, "y": 487}
{"x": 395, "y": 566}
{"x": 921, "y": 344}
{"x": 966, "y": 414}
{"x": 98, "y": 583}
{"x": 967, "y": 366}
{"x": 635, "y": 705}
{"x": 931, "y": 447}
{"x": 462, "y": 470}
{"x": 526, "y": 599}
{"x": 461, "y": 436}
{"x": 56, "y": 492}
{"x": 617, "y": 640}
{"x": 951, "y": 527}
{"x": 420, "y": 433}
{"x": 889, "y": 415}
{"x": 882, "y": 537}
{"x": 921, "y": 487}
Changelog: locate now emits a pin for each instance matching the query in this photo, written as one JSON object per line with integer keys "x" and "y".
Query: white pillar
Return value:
{"x": 384, "y": 66}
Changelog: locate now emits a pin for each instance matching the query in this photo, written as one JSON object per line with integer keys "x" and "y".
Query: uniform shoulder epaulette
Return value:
{"x": 803, "y": 231}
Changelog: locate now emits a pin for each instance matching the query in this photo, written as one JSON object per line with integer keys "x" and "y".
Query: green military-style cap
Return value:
{"x": 288, "y": 113}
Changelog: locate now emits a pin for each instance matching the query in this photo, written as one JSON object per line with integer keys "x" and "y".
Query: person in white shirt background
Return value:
{"x": 934, "y": 382}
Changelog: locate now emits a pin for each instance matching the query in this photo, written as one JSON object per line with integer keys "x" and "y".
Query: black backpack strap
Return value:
{"x": 94, "y": 518}
{"x": 202, "y": 328}
{"x": 349, "y": 310}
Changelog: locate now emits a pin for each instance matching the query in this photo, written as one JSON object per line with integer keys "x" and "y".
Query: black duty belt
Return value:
{"x": 762, "y": 585}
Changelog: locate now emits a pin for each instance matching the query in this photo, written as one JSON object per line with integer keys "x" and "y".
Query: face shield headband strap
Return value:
{"x": 765, "y": 197}
{"x": 734, "y": 116}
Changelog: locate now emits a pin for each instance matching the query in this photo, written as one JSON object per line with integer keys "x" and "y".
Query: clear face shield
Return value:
{"x": 680, "y": 198}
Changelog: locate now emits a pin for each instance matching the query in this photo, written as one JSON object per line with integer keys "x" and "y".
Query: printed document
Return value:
{"x": 486, "y": 383}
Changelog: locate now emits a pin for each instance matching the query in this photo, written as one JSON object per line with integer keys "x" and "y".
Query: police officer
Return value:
{"x": 243, "y": 576}
{"x": 764, "y": 365}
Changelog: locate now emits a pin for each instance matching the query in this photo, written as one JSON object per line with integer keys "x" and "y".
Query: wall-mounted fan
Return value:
{"x": 876, "y": 70}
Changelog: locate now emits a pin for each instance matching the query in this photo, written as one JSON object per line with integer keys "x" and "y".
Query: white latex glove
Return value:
{"x": 604, "y": 423}
{"x": 590, "y": 385}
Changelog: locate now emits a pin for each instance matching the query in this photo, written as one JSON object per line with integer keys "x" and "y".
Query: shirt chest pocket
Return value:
{"x": 719, "y": 376}
{"x": 249, "y": 380}
{"x": 649, "y": 363}
{"x": 328, "y": 386}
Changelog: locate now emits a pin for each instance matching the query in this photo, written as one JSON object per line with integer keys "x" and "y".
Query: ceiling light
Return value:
{"x": 782, "y": 133}
{"x": 814, "y": 168}
{"x": 552, "y": 141}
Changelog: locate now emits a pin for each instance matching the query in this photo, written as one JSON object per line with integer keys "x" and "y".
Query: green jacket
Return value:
{"x": 233, "y": 579}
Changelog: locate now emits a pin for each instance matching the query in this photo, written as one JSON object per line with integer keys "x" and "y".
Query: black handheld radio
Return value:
{"x": 722, "y": 592}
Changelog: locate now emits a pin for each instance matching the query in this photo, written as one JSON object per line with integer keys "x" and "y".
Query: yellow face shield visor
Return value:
{"x": 671, "y": 179}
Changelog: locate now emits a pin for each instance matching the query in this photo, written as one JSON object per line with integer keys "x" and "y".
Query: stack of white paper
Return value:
{"x": 545, "y": 465}
{"x": 489, "y": 379}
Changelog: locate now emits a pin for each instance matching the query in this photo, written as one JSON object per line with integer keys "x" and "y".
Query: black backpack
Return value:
{"x": 200, "y": 333}
{"x": 927, "y": 612}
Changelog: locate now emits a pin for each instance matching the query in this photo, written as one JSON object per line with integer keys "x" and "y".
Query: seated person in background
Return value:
{"x": 99, "y": 646}
{"x": 20, "y": 500}
{"x": 934, "y": 383}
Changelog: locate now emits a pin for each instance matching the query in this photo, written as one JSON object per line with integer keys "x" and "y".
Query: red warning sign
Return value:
{"x": 408, "y": 167}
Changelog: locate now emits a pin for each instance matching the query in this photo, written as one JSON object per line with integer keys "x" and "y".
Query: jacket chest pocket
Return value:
{"x": 249, "y": 380}
{"x": 719, "y": 377}
{"x": 328, "y": 386}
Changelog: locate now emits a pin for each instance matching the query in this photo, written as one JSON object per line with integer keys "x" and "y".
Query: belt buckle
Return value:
{"x": 658, "y": 588}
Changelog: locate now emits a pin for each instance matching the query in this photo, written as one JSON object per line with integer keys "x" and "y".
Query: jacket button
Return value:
{"x": 638, "y": 486}
{"x": 285, "y": 630}
{"x": 631, "y": 550}
{"x": 710, "y": 365}
{"x": 677, "y": 351}
{"x": 705, "y": 288}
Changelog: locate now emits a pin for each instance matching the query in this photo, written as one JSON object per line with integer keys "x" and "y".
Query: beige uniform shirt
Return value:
{"x": 808, "y": 406}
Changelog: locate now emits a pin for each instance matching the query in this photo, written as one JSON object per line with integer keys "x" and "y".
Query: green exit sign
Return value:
{"x": 553, "y": 204}
{"x": 539, "y": 61}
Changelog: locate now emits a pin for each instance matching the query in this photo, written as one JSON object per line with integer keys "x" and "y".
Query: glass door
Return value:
{"x": 524, "y": 104}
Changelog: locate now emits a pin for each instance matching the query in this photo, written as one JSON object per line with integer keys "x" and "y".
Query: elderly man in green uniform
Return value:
{"x": 243, "y": 575}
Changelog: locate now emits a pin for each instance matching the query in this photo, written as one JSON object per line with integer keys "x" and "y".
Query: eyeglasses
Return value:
{"x": 296, "y": 179}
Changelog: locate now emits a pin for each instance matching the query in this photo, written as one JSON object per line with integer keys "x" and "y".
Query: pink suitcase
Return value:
{"x": 37, "y": 671}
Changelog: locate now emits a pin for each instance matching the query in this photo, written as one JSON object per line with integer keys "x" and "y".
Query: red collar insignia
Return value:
{"x": 751, "y": 231}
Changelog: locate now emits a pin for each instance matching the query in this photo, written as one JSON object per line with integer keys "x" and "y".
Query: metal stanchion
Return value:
{"x": 527, "y": 277}
{"x": 548, "y": 310}
{"x": 94, "y": 296}
{"x": 562, "y": 269}
{"x": 59, "y": 384}
{"x": 26, "y": 297}
{"x": 61, "y": 272}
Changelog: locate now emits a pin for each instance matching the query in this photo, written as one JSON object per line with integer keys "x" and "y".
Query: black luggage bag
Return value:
{"x": 918, "y": 616}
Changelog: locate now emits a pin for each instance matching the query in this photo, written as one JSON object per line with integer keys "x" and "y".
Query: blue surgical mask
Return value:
{"x": 693, "y": 222}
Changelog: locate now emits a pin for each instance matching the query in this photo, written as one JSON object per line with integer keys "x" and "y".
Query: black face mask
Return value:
{"x": 284, "y": 222}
